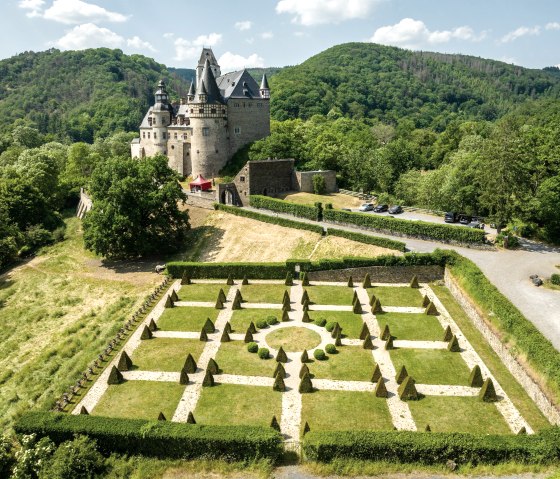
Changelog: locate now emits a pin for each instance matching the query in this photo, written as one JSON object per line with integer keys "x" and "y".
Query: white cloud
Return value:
{"x": 552, "y": 26}
{"x": 76, "y": 11}
{"x": 189, "y": 49}
{"x": 245, "y": 25}
{"x": 315, "y": 12}
{"x": 267, "y": 35}
{"x": 521, "y": 32}
{"x": 410, "y": 33}
{"x": 168, "y": 35}
{"x": 89, "y": 35}
{"x": 230, "y": 62}
{"x": 34, "y": 7}
{"x": 137, "y": 43}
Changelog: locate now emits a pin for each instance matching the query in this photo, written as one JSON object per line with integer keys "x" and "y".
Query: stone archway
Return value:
{"x": 227, "y": 197}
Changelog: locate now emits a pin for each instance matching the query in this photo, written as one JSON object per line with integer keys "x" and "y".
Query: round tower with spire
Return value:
{"x": 160, "y": 119}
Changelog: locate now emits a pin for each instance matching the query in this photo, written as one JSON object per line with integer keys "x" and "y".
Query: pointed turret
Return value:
{"x": 207, "y": 90}
{"x": 265, "y": 89}
{"x": 191, "y": 93}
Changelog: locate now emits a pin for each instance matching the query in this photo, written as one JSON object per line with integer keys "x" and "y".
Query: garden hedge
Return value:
{"x": 367, "y": 239}
{"x": 222, "y": 270}
{"x": 156, "y": 438}
{"x": 432, "y": 447}
{"x": 303, "y": 211}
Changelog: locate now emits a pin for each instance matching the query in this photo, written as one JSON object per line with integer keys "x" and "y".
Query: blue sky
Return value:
{"x": 284, "y": 32}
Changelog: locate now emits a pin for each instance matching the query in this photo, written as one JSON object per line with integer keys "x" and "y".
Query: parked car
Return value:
{"x": 366, "y": 207}
{"x": 395, "y": 209}
{"x": 380, "y": 208}
{"x": 465, "y": 219}
{"x": 536, "y": 280}
{"x": 477, "y": 224}
{"x": 451, "y": 217}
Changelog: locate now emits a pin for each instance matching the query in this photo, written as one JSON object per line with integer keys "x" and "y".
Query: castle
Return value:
{"x": 201, "y": 133}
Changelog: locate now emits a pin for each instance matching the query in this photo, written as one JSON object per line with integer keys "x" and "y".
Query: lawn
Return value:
{"x": 293, "y": 339}
{"x": 335, "y": 295}
{"x": 397, "y": 296}
{"x": 140, "y": 400}
{"x": 165, "y": 354}
{"x": 458, "y": 414}
{"x": 201, "y": 292}
{"x": 350, "y": 323}
{"x": 418, "y": 327}
{"x": 351, "y": 363}
{"x": 233, "y": 358}
{"x": 432, "y": 366}
{"x": 345, "y": 410}
{"x": 241, "y": 318}
{"x": 263, "y": 293}
{"x": 232, "y": 404}
{"x": 338, "y": 200}
{"x": 186, "y": 318}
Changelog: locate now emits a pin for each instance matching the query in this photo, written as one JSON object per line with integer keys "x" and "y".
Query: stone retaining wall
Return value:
{"x": 381, "y": 274}
{"x": 534, "y": 391}
{"x": 201, "y": 200}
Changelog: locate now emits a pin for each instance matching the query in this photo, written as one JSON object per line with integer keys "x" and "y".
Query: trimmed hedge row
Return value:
{"x": 156, "y": 438}
{"x": 234, "y": 210}
{"x": 418, "y": 229}
{"x": 433, "y": 448}
{"x": 281, "y": 206}
{"x": 223, "y": 270}
{"x": 367, "y": 239}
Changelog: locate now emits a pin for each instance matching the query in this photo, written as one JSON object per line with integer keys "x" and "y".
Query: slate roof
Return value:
{"x": 238, "y": 84}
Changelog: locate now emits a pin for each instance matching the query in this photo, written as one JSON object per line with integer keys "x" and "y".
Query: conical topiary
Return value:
{"x": 487, "y": 392}
{"x": 367, "y": 344}
{"x": 354, "y": 297}
{"x": 146, "y": 333}
{"x": 364, "y": 332}
{"x": 367, "y": 281}
{"x": 209, "y": 326}
{"x": 372, "y": 300}
{"x": 161, "y": 417}
{"x": 168, "y": 302}
{"x": 248, "y": 337}
{"x": 306, "y": 428}
{"x": 125, "y": 363}
{"x": 431, "y": 309}
{"x": 174, "y": 296}
{"x": 338, "y": 339}
{"x": 219, "y": 304}
{"x": 386, "y": 333}
{"x": 304, "y": 279}
{"x": 115, "y": 376}
{"x": 252, "y": 327}
{"x": 245, "y": 280}
{"x": 357, "y": 308}
{"x": 304, "y": 297}
{"x": 453, "y": 345}
{"x": 183, "y": 377}
{"x": 427, "y": 428}
{"x": 152, "y": 326}
{"x": 222, "y": 296}
{"x": 203, "y": 335}
{"x": 303, "y": 371}
{"x": 407, "y": 390}
{"x": 279, "y": 384}
{"x": 289, "y": 279}
{"x": 190, "y": 364}
{"x": 447, "y": 335}
{"x": 213, "y": 366}
{"x": 238, "y": 295}
{"x": 285, "y": 316}
{"x": 350, "y": 283}
{"x": 401, "y": 375}
{"x": 279, "y": 370}
{"x": 305, "y": 306}
{"x": 304, "y": 356}
{"x": 425, "y": 301}
{"x": 227, "y": 327}
{"x": 281, "y": 356}
{"x": 84, "y": 411}
{"x": 380, "y": 388}
{"x": 286, "y": 297}
{"x": 335, "y": 329}
{"x": 185, "y": 279}
{"x": 190, "y": 418}
{"x": 208, "y": 380}
{"x": 475, "y": 378}
{"x": 305, "y": 385}
{"x": 225, "y": 337}
{"x": 305, "y": 318}
{"x": 376, "y": 374}
{"x": 274, "y": 424}
{"x": 229, "y": 280}
{"x": 521, "y": 432}
{"x": 286, "y": 307}
{"x": 414, "y": 282}
{"x": 376, "y": 308}
{"x": 236, "y": 305}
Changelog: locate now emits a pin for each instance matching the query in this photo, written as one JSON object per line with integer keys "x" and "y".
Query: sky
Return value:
{"x": 257, "y": 33}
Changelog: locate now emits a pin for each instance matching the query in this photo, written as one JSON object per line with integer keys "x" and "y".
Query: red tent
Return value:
{"x": 200, "y": 184}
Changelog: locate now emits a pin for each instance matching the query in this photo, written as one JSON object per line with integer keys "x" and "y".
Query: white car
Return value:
{"x": 366, "y": 207}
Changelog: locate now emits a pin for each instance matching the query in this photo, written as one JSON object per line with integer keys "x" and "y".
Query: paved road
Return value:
{"x": 509, "y": 270}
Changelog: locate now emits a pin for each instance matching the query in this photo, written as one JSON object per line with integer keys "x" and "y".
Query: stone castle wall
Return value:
{"x": 248, "y": 120}
{"x": 304, "y": 180}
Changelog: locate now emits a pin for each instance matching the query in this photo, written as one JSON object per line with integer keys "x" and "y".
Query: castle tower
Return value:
{"x": 207, "y": 54}
{"x": 265, "y": 89}
{"x": 160, "y": 119}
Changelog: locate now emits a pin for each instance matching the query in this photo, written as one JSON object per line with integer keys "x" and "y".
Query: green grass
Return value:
{"x": 186, "y": 318}
{"x": 513, "y": 389}
{"x": 263, "y": 293}
{"x": 345, "y": 410}
{"x": 201, "y": 292}
{"x": 232, "y": 404}
{"x": 241, "y": 318}
{"x": 351, "y": 363}
{"x": 432, "y": 366}
{"x": 335, "y": 295}
{"x": 140, "y": 400}
{"x": 397, "y": 296}
{"x": 233, "y": 358}
{"x": 165, "y": 354}
{"x": 293, "y": 339}
{"x": 411, "y": 326}
{"x": 350, "y": 323}
{"x": 458, "y": 414}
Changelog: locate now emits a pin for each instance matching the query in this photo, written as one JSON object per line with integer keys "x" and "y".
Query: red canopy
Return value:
{"x": 200, "y": 183}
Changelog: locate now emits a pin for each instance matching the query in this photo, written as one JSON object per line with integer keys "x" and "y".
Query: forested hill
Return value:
{"x": 80, "y": 94}
{"x": 368, "y": 80}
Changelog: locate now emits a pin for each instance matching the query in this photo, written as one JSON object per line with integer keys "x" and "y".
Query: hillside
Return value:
{"x": 387, "y": 83}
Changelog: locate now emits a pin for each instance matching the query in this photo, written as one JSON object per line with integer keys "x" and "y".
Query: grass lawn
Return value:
{"x": 241, "y": 318}
{"x": 345, "y": 410}
{"x": 166, "y": 354}
{"x": 140, "y": 400}
{"x": 350, "y": 323}
{"x": 336, "y": 295}
{"x": 351, "y": 363}
{"x": 419, "y": 327}
{"x": 432, "y": 366}
{"x": 338, "y": 200}
{"x": 233, "y": 358}
{"x": 458, "y": 414}
{"x": 513, "y": 389}
{"x": 201, "y": 291}
{"x": 293, "y": 339}
{"x": 397, "y": 296}
{"x": 232, "y": 404}
{"x": 186, "y": 318}
{"x": 263, "y": 293}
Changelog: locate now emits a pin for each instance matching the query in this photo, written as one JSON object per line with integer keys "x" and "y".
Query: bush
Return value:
{"x": 6, "y": 456}
{"x": 330, "y": 326}
{"x": 331, "y": 349}
{"x": 319, "y": 184}
{"x": 281, "y": 206}
{"x": 263, "y": 353}
{"x": 262, "y": 323}
{"x": 156, "y": 438}
{"x": 319, "y": 355}
{"x": 555, "y": 279}
{"x": 252, "y": 347}
{"x": 271, "y": 320}
{"x": 75, "y": 460}
{"x": 321, "y": 322}
{"x": 223, "y": 270}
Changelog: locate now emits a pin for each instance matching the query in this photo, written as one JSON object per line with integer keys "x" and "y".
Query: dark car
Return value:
{"x": 395, "y": 209}
{"x": 465, "y": 219}
{"x": 451, "y": 217}
{"x": 380, "y": 208}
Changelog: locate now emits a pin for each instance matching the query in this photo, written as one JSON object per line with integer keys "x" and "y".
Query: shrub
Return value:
{"x": 376, "y": 374}
{"x": 152, "y": 326}
{"x": 236, "y": 305}
{"x": 555, "y": 279}
{"x": 6, "y": 456}
{"x": 168, "y": 302}
{"x": 203, "y": 335}
{"x": 414, "y": 282}
{"x": 319, "y": 355}
{"x": 229, "y": 280}
{"x": 190, "y": 364}
{"x": 381, "y": 389}
{"x": 83, "y": 410}
{"x": 338, "y": 338}
{"x": 368, "y": 239}
{"x": 304, "y": 279}
{"x": 372, "y": 300}
{"x": 330, "y": 326}
{"x": 364, "y": 332}
{"x": 271, "y": 320}
{"x": 425, "y": 301}
{"x": 331, "y": 349}
{"x": 285, "y": 316}
{"x": 248, "y": 337}
{"x": 219, "y": 304}
{"x": 386, "y": 333}
{"x": 227, "y": 327}
{"x": 279, "y": 384}
{"x": 221, "y": 270}
{"x": 319, "y": 184}
{"x": 252, "y": 327}
{"x": 286, "y": 297}
{"x": 335, "y": 330}
{"x": 125, "y": 363}
{"x": 453, "y": 345}
{"x": 389, "y": 344}
{"x": 209, "y": 326}
{"x": 487, "y": 392}
{"x": 448, "y": 334}
{"x": 245, "y": 280}
{"x": 213, "y": 366}
{"x": 475, "y": 378}
{"x": 262, "y": 323}
{"x": 190, "y": 418}
{"x": 161, "y": 417}
{"x": 183, "y": 377}
{"x": 304, "y": 370}
{"x": 376, "y": 308}
{"x": 407, "y": 390}
{"x": 281, "y": 206}
{"x": 225, "y": 337}
{"x": 263, "y": 353}
{"x": 357, "y": 308}
{"x": 208, "y": 380}
{"x": 304, "y": 297}
{"x": 289, "y": 281}
{"x": 320, "y": 322}
{"x": 279, "y": 370}
{"x": 350, "y": 283}
{"x": 281, "y": 356}
{"x": 305, "y": 385}
{"x": 252, "y": 347}
{"x": 305, "y": 306}
{"x": 367, "y": 344}
{"x": 304, "y": 356}
{"x": 431, "y": 310}
{"x": 306, "y": 428}
{"x": 174, "y": 296}
{"x": 185, "y": 279}
{"x": 115, "y": 376}
{"x": 367, "y": 281}
{"x": 401, "y": 375}
{"x": 274, "y": 424}
{"x": 75, "y": 459}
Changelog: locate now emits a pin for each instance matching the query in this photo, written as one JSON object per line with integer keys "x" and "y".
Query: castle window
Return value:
{"x": 172, "y": 147}
{"x": 242, "y": 179}
{"x": 205, "y": 131}
{"x": 155, "y": 135}
{"x": 175, "y": 136}
{"x": 236, "y": 105}
{"x": 184, "y": 136}
{"x": 250, "y": 105}
{"x": 217, "y": 151}
{"x": 201, "y": 110}
{"x": 163, "y": 135}
{"x": 259, "y": 105}
{"x": 213, "y": 111}
{"x": 237, "y": 130}
{"x": 143, "y": 134}
{"x": 223, "y": 111}
{"x": 192, "y": 110}
{"x": 148, "y": 135}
